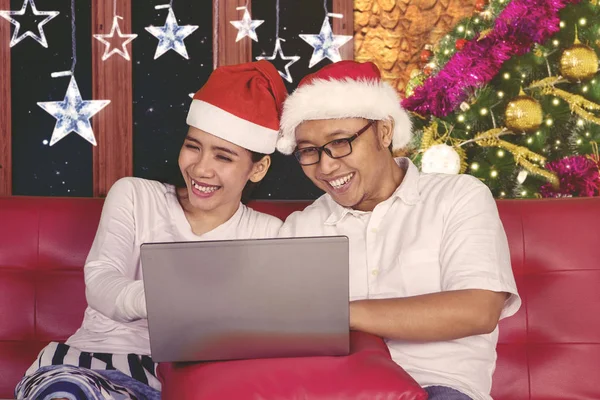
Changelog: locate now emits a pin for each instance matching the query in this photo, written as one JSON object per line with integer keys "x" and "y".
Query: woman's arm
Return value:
{"x": 109, "y": 269}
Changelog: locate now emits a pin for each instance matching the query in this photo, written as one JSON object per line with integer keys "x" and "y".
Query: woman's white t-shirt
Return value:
{"x": 140, "y": 211}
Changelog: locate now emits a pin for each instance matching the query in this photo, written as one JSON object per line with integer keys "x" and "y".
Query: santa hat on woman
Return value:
{"x": 241, "y": 104}
{"x": 347, "y": 89}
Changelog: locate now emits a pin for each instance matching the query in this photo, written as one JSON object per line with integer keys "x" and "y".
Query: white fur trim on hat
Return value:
{"x": 218, "y": 122}
{"x": 334, "y": 99}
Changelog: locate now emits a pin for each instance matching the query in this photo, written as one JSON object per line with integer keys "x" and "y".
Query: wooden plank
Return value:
{"x": 226, "y": 51}
{"x": 5, "y": 106}
{"x": 344, "y": 26}
{"x": 111, "y": 80}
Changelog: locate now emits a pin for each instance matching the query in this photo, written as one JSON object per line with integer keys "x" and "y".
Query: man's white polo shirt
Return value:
{"x": 435, "y": 233}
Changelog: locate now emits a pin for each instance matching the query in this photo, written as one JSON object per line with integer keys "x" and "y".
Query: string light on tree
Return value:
{"x": 16, "y": 37}
{"x": 171, "y": 36}
{"x": 326, "y": 44}
{"x": 246, "y": 26}
{"x": 73, "y": 113}
{"x": 278, "y": 53}
{"x": 107, "y": 39}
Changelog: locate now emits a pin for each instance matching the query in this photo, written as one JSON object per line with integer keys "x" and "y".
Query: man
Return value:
{"x": 429, "y": 262}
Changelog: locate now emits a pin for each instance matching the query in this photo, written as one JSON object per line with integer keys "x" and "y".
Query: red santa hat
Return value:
{"x": 347, "y": 89}
{"x": 241, "y": 104}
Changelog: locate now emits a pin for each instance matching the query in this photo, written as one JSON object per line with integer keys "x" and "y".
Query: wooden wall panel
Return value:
{"x": 344, "y": 26}
{"x": 225, "y": 49}
{"x": 5, "y": 109}
{"x": 112, "y": 80}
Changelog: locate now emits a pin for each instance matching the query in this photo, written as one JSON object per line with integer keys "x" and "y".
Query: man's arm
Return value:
{"x": 476, "y": 278}
{"x": 430, "y": 317}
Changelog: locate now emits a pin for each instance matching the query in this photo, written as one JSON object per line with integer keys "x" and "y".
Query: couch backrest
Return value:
{"x": 549, "y": 350}
{"x": 551, "y": 347}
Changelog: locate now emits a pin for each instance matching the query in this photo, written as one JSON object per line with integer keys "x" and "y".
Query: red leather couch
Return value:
{"x": 549, "y": 350}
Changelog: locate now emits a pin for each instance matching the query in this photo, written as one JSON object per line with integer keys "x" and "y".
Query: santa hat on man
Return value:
{"x": 241, "y": 104}
{"x": 347, "y": 89}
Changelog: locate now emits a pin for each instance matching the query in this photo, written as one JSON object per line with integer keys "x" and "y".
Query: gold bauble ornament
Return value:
{"x": 578, "y": 62}
{"x": 523, "y": 114}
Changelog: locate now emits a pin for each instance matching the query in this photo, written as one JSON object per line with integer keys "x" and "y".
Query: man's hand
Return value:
{"x": 430, "y": 317}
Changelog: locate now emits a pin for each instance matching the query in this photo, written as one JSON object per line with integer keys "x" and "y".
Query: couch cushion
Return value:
{"x": 367, "y": 373}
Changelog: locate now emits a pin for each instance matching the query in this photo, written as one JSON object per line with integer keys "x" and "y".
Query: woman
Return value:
{"x": 233, "y": 122}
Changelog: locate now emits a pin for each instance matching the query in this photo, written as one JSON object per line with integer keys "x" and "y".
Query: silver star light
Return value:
{"x": 325, "y": 44}
{"x": 73, "y": 114}
{"x": 121, "y": 49}
{"x": 279, "y": 53}
{"x": 16, "y": 38}
{"x": 171, "y": 36}
{"x": 247, "y": 26}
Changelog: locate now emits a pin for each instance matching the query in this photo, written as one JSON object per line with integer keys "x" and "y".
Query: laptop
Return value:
{"x": 243, "y": 299}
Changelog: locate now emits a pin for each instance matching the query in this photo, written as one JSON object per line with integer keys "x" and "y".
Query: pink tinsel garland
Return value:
{"x": 578, "y": 177}
{"x": 520, "y": 25}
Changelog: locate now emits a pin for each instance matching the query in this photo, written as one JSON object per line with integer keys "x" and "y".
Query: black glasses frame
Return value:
{"x": 321, "y": 149}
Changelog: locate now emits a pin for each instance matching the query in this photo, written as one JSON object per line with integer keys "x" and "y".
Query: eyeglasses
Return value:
{"x": 337, "y": 148}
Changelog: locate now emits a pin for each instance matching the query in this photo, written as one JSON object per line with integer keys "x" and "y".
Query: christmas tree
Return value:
{"x": 512, "y": 96}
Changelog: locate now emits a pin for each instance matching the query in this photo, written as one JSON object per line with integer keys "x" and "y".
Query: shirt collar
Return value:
{"x": 407, "y": 191}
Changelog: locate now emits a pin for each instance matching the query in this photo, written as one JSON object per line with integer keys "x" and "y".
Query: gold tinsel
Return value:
{"x": 578, "y": 62}
{"x": 484, "y": 33}
{"x": 578, "y": 104}
{"x": 429, "y": 134}
{"x": 523, "y": 114}
{"x": 522, "y": 155}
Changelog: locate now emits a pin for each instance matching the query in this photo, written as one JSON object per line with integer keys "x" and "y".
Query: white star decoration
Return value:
{"x": 278, "y": 52}
{"x": 41, "y": 39}
{"x": 325, "y": 44}
{"x": 122, "y": 51}
{"x": 171, "y": 36}
{"x": 73, "y": 114}
{"x": 247, "y": 26}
